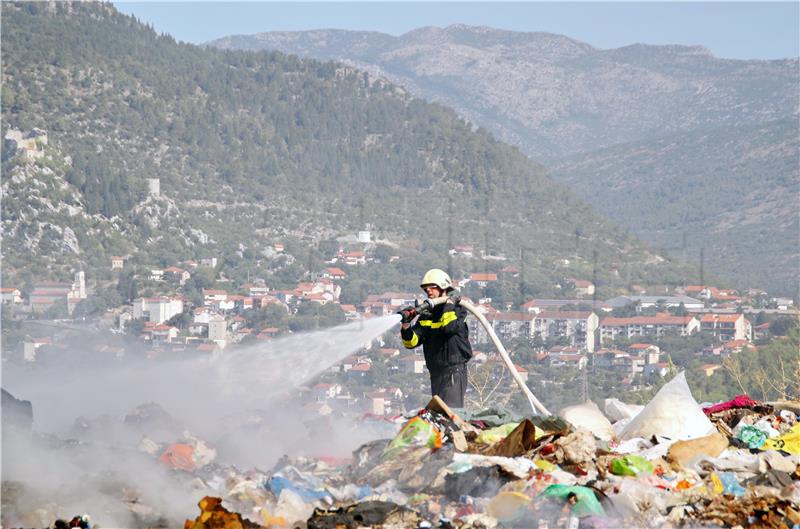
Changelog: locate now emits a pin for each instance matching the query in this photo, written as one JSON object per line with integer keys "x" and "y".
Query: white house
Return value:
{"x": 158, "y": 309}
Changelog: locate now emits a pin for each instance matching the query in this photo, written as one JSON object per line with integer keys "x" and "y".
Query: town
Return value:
{"x": 551, "y": 340}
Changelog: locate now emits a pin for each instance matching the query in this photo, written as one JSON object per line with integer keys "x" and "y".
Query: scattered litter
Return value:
{"x": 672, "y": 413}
{"x": 589, "y": 417}
{"x": 733, "y": 464}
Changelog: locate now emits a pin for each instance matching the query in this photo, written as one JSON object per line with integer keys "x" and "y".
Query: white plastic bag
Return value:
{"x": 588, "y": 416}
{"x": 672, "y": 413}
{"x": 616, "y": 410}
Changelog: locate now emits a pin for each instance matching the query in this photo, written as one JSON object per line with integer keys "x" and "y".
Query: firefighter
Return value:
{"x": 442, "y": 331}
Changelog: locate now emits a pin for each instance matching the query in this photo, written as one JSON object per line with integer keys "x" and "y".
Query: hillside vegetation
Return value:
{"x": 256, "y": 148}
{"x": 731, "y": 192}
{"x": 669, "y": 142}
{"x": 552, "y": 95}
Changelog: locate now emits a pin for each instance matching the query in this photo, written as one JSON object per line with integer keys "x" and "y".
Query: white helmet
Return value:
{"x": 437, "y": 277}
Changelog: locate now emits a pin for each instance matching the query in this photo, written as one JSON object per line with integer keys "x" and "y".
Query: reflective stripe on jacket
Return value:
{"x": 444, "y": 337}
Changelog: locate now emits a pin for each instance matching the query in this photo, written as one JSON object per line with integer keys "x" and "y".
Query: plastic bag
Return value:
{"x": 588, "y": 416}
{"x": 751, "y": 436}
{"x": 672, "y": 413}
{"x": 631, "y": 465}
{"x": 788, "y": 442}
{"x": 416, "y": 432}
{"x": 496, "y": 434}
{"x": 616, "y": 410}
{"x": 587, "y": 503}
{"x": 508, "y": 506}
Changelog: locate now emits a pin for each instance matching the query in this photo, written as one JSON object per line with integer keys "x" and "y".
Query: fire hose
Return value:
{"x": 536, "y": 406}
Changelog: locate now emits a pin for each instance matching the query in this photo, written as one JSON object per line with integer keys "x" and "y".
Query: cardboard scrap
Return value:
{"x": 519, "y": 442}
{"x": 684, "y": 452}
{"x": 438, "y": 405}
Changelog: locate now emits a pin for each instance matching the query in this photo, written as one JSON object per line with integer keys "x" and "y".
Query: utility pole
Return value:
{"x": 702, "y": 264}
{"x": 450, "y": 238}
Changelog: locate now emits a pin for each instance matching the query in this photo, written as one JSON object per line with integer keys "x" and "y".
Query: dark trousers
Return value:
{"x": 450, "y": 384}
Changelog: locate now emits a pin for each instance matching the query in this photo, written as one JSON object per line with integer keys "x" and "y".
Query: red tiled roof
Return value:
{"x": 647, "y": 320}
{"x": 721, "y": 318}
{"x": 565, "y": 315}
{"x": 483, "y": 277}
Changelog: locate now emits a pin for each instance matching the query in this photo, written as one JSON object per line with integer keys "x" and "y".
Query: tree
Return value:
{"x": 329, "y": 248}
{"x": 383, "y": 253}
{"x": 783, "y": 325}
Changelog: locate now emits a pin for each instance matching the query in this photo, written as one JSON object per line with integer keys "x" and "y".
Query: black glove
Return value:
{"x": 407, "y": 314}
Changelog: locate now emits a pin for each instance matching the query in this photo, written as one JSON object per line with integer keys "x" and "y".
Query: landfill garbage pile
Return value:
{"x": 670, "y": 464}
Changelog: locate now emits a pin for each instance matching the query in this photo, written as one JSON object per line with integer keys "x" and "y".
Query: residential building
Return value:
{"x": 350, "y": 311}
{"x": 324, "y": 391}
{"x": 158, "y": 309}
{"x": 483, "y": 279}
{"x": 620, "y": 361}
{"x": 506, "y": 325}
{"x": 179, "y": 275}
{"x": 579, "y": 327}
{"x": 575, "y": 360}
{"x": 213, "y": 297}
{"x": 159, "y": 332}
{"x": 550, "y": 305}
{"x": 117, "y": 262}
{"x": 727, "y": 327}
{"x": 660, "y": 302}
{"x": 660, "y": 369}
{"x": 334, "y": 273}
{"x": 31, "y": 347}
{"x": 413, "y": 363}
{"x": 11, "y": 296}
{"x": 583, "y": 288}
{"x": 49, "y": 293}
{"x": 464, "y": 250}
{"x": 392, "y": 299}
{"x": 658, "y": 325}
{"x": 649, "y": 352}
{"x": 353, "y": 258}
{"x": 217, "y": 329}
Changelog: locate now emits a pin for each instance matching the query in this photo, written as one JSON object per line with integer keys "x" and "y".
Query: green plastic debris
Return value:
{"x": 631, "y": 465}
{"x": 587, "y": 504}
{"x": 752, "y": 436}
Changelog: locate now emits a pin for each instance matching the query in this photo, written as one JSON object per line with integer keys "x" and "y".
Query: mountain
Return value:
{"x": 552, "y": 95}
{"x": 664, "y": 140}
{"x": 732, "y": 192}
{"x": 249, "y": 149}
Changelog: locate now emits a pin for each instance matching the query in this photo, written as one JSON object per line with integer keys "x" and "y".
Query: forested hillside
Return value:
{"x": 668, "y": 141}
{"x": 732, "y": 192}
{"x": 553, "y": 95}
{"x": 254, "y": 148}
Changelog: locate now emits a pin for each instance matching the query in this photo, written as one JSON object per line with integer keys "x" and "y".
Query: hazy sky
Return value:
{"x": 752, "y": 30}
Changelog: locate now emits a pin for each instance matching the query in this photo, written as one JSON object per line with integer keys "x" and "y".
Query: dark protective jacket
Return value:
{"x": 444, "y": 337}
